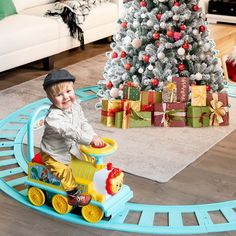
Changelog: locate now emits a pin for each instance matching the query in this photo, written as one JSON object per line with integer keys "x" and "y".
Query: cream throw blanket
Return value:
{"x": 73, "y": 13}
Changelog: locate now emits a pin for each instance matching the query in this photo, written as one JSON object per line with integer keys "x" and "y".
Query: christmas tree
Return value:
{"x": 156, "y": 41}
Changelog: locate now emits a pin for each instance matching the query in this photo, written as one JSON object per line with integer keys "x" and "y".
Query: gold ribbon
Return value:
{"x": 217, "y": 110}
{"x": 168, "y": 114}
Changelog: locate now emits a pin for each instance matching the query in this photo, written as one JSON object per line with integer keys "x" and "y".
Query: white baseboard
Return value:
{"x": 212, "y": 18}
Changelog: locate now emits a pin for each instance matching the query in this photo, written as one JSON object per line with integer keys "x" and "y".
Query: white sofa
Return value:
{"x": 29, "y": 36}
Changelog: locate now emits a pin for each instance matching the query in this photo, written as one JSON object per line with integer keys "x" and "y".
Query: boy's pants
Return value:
{"x": 61, "y": 171}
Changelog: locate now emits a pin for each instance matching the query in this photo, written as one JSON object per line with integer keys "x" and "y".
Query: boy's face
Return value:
{"x": 64, "y": 98}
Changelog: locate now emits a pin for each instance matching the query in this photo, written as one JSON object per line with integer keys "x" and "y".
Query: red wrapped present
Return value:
{"x": 182, "y": 88}
{"x": 218, "y": 104}
{"x": 170, "y": 114}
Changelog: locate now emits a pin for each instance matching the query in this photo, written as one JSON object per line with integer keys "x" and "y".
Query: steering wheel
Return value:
{"x": 108, "y": 148}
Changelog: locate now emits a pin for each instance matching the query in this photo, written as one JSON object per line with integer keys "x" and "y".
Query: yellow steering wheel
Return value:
{"x": 109, "y": 147}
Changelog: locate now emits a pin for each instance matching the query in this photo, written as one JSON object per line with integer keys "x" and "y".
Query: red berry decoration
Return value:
{"x": 109, "y": 85}
{"x": 177, "y": 4}
{"x": 156, "y": 36}
{"x": 155, "y": 82}
{"x": 182, "y": 27}
{"x": 124, "y": 24}
{"x": 181, "y": 67}
{"x": 122, "y": 54}
{"x": 185, "y": 46}
{"x": 208, "y": 88}
{"x": 127, "y": 66}
{"x": 195, "y": 7}
{"x": 158, "y": 16}
{"x": 143, "y": 4}
{"x": 114, "y": 55}
{"x": 170, "y": 33}
{"x": 202, "y": 28}
{"x": 146, "y": 58}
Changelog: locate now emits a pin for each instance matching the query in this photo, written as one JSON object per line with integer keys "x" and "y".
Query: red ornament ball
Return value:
{"x": 124, "y": 24}
{"x": 185, "y": 46}
{"x": 177, "y": 4}
{"x": 122, "y": 54}
{"x": 208, "y": 88}
{"x": 109, "y": 85}
{"x": 195, "y": 8}
{"x": 156, "y": 36}
{"x": 170, "y": 33}
{"x": 158, "y": 16}
{"x": 181, "y": 67}
{"x": 127, "y": 66}
{"x": 182, "y": 27}
{"x": 146, "y": 58}
{"x": 155, "y": 82}
{"x": 143, "y": 4}
{"x": 202, "y": 28}
{"x": 114, "y": 55}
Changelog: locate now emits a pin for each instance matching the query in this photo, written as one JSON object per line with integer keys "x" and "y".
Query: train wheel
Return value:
{"x": 60, "y": 204}
{"x": 36, "y": 196}
{"x": 91, "y": 213}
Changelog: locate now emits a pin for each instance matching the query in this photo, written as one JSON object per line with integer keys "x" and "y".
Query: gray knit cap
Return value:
{"x": 57, "y": 76}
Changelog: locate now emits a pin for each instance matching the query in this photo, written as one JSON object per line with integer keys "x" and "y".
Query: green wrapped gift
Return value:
{"x": 198, "y": 116}
{"x": 140, "y": 119}
{"x": 131, "y": 93}
{"x": 118, "y": 119}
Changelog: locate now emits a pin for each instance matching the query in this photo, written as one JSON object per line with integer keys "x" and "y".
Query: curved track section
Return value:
{"x": 13, "y": 171}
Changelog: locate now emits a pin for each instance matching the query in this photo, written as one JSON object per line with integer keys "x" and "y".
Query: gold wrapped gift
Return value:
{"x": 169, "y": 93}
{"x": 109, "y": 108}
{"x": 198, "y": 97}
{"x": 128, "y": 107}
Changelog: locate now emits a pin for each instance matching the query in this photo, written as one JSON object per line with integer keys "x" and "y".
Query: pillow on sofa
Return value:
{"x": 7, "y": 8}
{"x": 24, "y": 4}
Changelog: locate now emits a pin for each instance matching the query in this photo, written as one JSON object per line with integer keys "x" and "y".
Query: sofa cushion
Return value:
{"x": 7, "y": 8}
{"x": 27, "y": 32}
{"x": 24, "y": 4}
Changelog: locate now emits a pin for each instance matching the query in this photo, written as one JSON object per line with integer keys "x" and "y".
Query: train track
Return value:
{"x": 13, "y": 173}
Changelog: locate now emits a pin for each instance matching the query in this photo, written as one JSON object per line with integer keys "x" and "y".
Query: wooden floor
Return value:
{"x": 211, "y": 178}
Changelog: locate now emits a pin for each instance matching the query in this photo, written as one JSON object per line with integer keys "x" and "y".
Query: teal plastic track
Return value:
{"x": 13, "y": 164}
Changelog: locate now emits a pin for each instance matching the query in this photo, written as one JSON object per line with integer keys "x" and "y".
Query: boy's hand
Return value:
{"x": 97, "y": 142}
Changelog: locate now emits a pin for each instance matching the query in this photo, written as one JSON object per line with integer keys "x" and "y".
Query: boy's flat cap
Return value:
{"x": 57, "y": 76}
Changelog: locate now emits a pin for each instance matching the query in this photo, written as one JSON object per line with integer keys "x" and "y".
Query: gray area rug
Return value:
{"x": 154, "y": 153}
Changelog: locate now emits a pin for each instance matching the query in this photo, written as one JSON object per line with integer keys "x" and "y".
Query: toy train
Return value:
{"x": 103, "y": 182}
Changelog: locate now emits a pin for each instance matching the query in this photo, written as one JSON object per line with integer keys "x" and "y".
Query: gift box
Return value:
{"x": 118, "y": 119}
{"x": 170, "y": 114}
{"x": 109, "y": 108}
{"x": 182, "y": 84}
{"x": 198, "y": 96}
{"x": 140, "y": 119}
{"x": 169, "y": 93}
{"x": 128, "y": 107}
{"x": 198, "y": 116}
{"x": 131, "y": 93}
{"x": 218, "y": 104}
{"x": 148, "y": 99}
